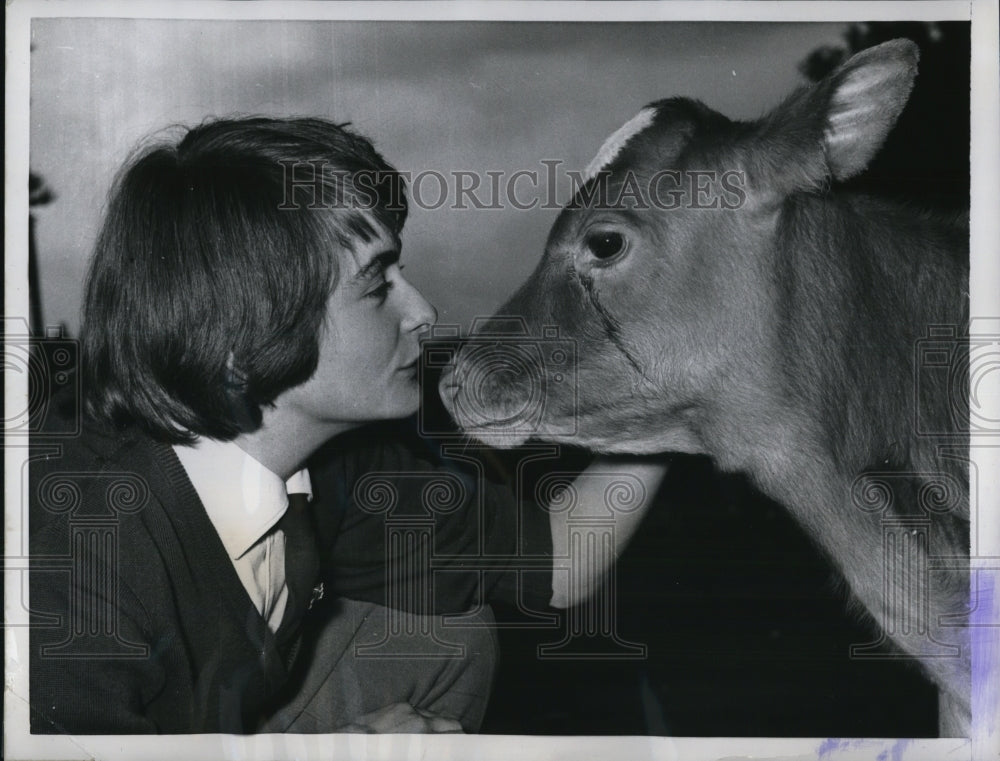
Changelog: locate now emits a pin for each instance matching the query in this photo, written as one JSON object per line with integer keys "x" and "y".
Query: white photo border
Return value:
{"x": 985, "y": 290}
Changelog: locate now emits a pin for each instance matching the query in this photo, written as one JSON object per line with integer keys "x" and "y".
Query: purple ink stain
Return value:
{"x": 834, "y": 744}
{"x": 830, "y": 745}
{"x": 983, "y": 642}
{"x": 897, "y": 749}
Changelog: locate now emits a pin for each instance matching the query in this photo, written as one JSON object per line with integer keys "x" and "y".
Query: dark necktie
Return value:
{"x": 301, "y": 563}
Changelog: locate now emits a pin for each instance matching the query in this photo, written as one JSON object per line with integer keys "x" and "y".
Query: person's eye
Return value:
{"x": 380, "y": 292}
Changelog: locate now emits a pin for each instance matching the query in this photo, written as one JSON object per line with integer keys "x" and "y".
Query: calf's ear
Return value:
{"x": 869, "y": 93}
{"x": 834, "y": 128}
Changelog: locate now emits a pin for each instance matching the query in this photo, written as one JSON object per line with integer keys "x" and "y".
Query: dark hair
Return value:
{"x": 209, "y": 282}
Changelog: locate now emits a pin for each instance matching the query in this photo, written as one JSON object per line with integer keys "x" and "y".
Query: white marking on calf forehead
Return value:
{"x": 613, "y": 145}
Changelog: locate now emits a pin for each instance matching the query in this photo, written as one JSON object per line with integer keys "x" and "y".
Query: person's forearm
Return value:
{"x": 592, "y": 527}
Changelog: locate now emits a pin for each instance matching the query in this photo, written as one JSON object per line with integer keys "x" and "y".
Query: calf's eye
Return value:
{"x": 605, "y": 245}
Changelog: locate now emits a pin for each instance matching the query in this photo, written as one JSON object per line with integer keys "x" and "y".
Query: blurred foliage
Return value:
{"x": 925, "y": 160}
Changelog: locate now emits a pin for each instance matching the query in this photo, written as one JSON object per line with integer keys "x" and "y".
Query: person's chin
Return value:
{"x": 406, "y": 400}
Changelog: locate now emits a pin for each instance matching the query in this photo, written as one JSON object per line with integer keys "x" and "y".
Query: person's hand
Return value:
{"x": 589, "y": 561}
{"x": 402, "y": 717}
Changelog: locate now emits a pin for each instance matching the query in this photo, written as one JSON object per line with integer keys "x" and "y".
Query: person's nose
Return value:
{"x": 420, "y": 314}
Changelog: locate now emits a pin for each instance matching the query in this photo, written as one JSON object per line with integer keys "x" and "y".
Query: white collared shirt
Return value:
{"x": 244, "y": 500}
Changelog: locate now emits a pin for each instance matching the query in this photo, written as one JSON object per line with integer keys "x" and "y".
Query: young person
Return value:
{"x": 245, "y": 305}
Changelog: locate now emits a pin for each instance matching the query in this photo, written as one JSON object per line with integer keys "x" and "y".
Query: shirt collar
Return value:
{"x": 243, "y": 498}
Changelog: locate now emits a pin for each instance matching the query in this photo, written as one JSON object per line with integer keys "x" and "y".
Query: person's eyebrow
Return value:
{"x": 378, "y": 263}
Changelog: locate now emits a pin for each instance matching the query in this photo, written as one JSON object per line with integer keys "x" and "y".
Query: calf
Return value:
{"x": 716, "y": 296}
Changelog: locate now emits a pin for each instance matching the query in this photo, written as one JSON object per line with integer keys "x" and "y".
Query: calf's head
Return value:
{"x": 655, "y": 304}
